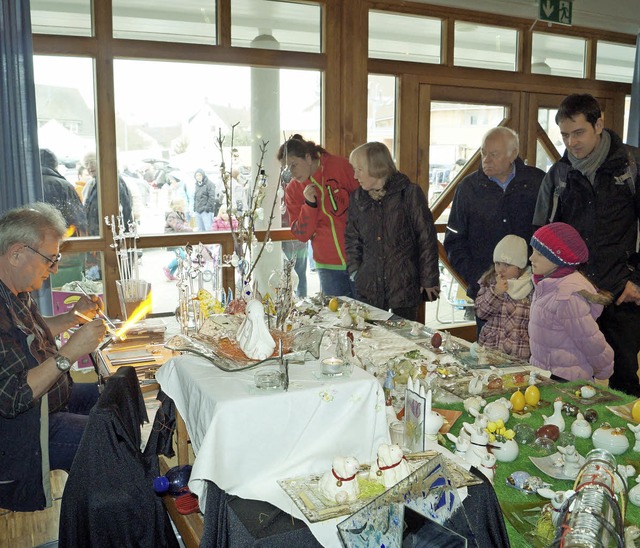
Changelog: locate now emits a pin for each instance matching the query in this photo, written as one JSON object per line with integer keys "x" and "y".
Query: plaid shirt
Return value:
{"x": 22, "y": 327}
{"x": 507, "y": 327}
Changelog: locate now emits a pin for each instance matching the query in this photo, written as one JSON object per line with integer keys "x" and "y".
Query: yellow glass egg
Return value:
{"x": 517, "y": 401}
{"x": 635, "y": 411}
{"x": 334, "y": 305}
{"x": 532, "y": 395}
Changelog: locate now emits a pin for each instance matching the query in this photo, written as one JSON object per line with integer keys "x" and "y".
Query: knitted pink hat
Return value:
{"x": 561, "y": 244}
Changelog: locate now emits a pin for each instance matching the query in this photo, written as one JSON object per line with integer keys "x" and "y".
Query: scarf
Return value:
{"x": 520, "y": 288}
{"x": 559, "y": 272}
{"x": 589, "y": 165}
{"x": 378, "y": 193}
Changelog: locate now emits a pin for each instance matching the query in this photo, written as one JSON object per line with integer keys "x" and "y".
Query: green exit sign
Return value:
{"x": 556, "y": 11}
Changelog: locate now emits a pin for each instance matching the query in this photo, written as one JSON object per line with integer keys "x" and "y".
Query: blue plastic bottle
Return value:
{"x": 174, "y": 482}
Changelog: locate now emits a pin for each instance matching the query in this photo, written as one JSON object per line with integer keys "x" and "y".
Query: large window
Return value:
{"x": 456, "y": 134}
{"x": 165, "y": 20}
{"x": 64, "y": 18}
{"x": 381, "y": 110}
{"x": 164, "y": 137}
{"x": 404, "y": 37}
{"x": 485, "y": 46}
{"x": 614, "y": 62}
{"x": 558, "y": 55}
{"x": 276, "y": 25}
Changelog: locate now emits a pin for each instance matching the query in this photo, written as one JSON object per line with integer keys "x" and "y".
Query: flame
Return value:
{"x": 70, "y": 232}
{"x": 138, "y": 314}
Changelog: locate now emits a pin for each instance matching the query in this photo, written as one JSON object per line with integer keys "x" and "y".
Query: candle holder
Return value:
{"x": 333, "y": 367}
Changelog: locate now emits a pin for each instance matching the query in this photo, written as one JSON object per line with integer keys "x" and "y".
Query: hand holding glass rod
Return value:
{"x": 88, "y": 319}
{"x": 107, "y": 320}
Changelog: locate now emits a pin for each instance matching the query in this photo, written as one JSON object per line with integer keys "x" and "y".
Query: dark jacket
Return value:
{"x": 482, "y": 214}
{"x": 61, "y": 194}
{"x": 109, "y": 498}
{"x": 91, "y": 205}
{"x": 605, "y": 214}
{"x": 24, "y": 479}
{"x": 205, "y": 198}
{"x": 391, "y": 245}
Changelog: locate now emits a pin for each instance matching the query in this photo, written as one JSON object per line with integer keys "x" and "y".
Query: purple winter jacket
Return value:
{"x": 563, "y": 334}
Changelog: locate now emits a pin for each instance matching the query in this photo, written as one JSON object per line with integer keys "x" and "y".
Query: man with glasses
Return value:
{"x": 42, "y": 412}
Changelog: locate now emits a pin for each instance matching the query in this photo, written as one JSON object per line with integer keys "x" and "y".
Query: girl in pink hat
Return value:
{"x": 504, "y": 299}
{"x": 563, "y": 334}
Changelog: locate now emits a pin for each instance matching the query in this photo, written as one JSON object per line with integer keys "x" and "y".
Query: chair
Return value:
{"x": 109, "y": 498}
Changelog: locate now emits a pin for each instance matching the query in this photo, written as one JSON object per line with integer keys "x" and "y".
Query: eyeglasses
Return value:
{"x": 52, "y": 262}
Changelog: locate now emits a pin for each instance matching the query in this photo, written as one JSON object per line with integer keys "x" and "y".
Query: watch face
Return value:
{"x": 62, "y": 363}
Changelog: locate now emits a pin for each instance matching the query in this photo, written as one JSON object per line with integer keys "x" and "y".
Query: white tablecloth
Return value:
{"x": 245, "y": 440}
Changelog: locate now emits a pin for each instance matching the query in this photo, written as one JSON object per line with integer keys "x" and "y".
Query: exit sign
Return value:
{"x": 555, "y": 11}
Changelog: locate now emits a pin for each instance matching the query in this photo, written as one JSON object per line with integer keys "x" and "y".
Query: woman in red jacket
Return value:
{"x": 317, "y": 199}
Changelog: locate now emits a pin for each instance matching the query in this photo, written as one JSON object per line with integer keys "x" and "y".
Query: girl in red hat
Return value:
{"x": 563, "y": 334}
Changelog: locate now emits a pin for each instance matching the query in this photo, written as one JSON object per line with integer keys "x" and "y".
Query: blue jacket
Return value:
{"x": 482, "y": 214}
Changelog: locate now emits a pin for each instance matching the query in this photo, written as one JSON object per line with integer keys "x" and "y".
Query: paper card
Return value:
{"x": 414, "y": 409}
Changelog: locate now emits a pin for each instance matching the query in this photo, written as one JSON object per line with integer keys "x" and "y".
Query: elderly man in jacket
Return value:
{"x": 42, "y": 413}
{"x": 496, "y": 200}
{"x": 594, "y": 188}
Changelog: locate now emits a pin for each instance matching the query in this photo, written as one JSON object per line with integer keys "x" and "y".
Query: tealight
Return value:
{"x": 332, "y": 366}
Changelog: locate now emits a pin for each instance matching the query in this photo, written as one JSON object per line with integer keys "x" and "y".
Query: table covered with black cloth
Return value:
{"x": 233, "y": 521}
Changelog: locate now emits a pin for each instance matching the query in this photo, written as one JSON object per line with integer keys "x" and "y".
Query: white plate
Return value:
{"x": 549, "y": 465}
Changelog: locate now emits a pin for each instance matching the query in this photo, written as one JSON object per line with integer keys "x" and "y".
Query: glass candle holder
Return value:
{"x": 333, "y": 367}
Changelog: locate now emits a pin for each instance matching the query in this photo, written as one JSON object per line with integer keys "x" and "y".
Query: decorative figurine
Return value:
{"x": 635, "y": 428}
{"x": 340, "y": 484}
{"x": 634, "y": 493}
{"x": 253, "y": 335}
{"x": 611, "y": 439}
{"x": 462, "y": 444}
{"x": 581, "y": 428}
{"x": 557, "y": 500}
{"x": 488, "y": 466}
{"x": 433, "y": 421}
{"x": 570, "y": 461}
{"x": 498, "y": 409}
{"x": 390, "y": 467}
{"x": 557, "y": 417}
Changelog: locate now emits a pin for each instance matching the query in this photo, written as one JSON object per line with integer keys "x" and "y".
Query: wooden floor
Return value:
{"x": 30, "y": 529}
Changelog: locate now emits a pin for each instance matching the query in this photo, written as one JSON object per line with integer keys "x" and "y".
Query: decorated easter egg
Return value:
{"x": 517, "y": 401}
{"x": 635, "y": 411}
{"x": 532, "y": 395}
{"x": 549, "y": 431}
{"x": 591, "y": 415}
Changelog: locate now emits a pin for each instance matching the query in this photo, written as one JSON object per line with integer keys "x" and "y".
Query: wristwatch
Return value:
{"x": 62, "y": 362}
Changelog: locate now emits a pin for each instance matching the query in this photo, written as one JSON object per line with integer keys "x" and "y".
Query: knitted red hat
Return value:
{"x": 561, "y": 244}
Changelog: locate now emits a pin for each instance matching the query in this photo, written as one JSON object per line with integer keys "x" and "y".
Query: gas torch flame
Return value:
{"x": 138, "y": 314}
{"x": 70, "y": 232}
